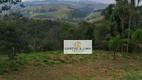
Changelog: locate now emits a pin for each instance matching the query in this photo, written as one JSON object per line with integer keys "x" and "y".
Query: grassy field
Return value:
{"x": 54, "y": 65}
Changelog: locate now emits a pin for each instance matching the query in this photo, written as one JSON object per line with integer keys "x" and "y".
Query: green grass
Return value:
{"x": 136, "y": 69}
{"x": 94, "y": 59}
{"x": 131, "y": 77}
{"x": 50, "y": 63}
{"x": 125, "y": 55}
{"x": 78, "y": 78}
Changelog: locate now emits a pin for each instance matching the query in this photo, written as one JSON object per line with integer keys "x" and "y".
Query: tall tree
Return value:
{"x": 10, "y": 40}
{"x": 132, "y": 4}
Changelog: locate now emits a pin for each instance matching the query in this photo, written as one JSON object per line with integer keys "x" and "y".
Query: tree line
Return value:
{"x": 120, "y": 30}
{"x": 124, "y": 19}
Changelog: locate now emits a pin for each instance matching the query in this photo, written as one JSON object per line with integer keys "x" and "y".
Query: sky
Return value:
{"x": 101, "y": 1}
{"x": 105, "y": 1}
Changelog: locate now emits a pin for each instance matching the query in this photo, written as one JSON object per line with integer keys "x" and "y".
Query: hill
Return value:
{"x": 47, "y": 11}
{"x": 70, "y": 12}
{"x": 94, "y": 16}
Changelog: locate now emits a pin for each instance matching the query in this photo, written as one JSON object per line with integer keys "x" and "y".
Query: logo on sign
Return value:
{"x": 77, "y": 44}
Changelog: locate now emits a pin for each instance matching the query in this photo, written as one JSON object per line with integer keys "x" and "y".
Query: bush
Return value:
{"x": 137, "y": 35}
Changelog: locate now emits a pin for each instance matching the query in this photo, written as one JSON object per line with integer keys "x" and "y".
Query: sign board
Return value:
{"x": 77, "y": 46}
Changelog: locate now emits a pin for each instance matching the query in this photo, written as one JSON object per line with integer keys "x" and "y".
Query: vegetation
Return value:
{"x": 98, "y": 66}
{"x": 30, "y": 41}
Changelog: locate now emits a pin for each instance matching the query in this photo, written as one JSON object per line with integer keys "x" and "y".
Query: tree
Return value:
{"x": 34, "y": 31}
{"x": 22, "y": 5}
{"x": 125, "y": 15}
{"x": 131, "y": 12}
{"x": 113, "y": 44}
{"x": 117, "y": 14}
{"x": 8, "y": 4}
{"x": 89, "y": 34}
{"x": 10, "y": 40}
{"x": 137, "y": 36}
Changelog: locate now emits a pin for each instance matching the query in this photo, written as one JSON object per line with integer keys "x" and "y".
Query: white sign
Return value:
{"x": 77, "y": 46}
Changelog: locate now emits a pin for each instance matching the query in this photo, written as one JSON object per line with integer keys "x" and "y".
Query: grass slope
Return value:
{"x": 54, "y": 65}
{"x": 94, "y": 17}
{"x": 62, "y": 11}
